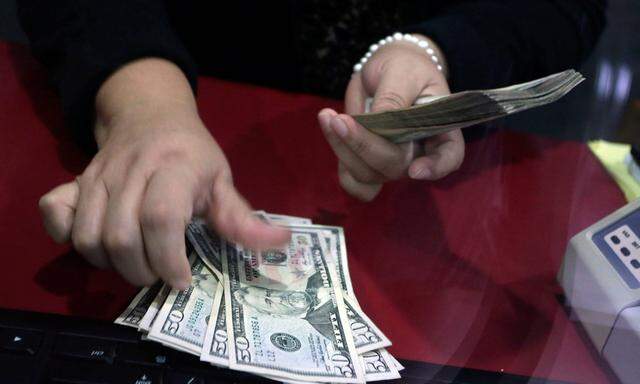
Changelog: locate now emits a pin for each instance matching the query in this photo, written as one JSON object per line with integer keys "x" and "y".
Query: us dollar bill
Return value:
{"x": 396, "y": 363}
{"x": 154, "y": 308}
{"x": 338, "y": 249}
{"x": 378, "y": 365}
{"x": 216, "y": 341}
{"x": 435, "y": 115}
{"x": 286, "y": 315}
{"x": 182, "y": 320}
{"x": 206, "y": 244}
{"x": 288, "y": 220}
{"x": 132, "y": 316}
{"x": 366, "y": 335}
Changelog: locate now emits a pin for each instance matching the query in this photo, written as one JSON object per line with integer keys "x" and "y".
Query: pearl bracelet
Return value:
{"x": 399, "y": 37}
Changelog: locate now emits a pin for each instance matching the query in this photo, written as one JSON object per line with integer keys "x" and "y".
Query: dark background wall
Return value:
{"x": 593, "y": 110}
{"x": 9, "y": 28}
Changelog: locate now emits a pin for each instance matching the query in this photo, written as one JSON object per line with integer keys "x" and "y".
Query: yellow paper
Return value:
{"x": 613, "y": 157}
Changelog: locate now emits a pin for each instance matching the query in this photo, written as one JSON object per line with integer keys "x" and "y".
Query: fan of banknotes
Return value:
{"x": 287, "y": 314}
{"x": 439, "y": 114}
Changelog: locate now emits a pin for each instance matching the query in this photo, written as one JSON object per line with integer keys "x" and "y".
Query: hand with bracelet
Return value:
{"x": 395, "y": 72}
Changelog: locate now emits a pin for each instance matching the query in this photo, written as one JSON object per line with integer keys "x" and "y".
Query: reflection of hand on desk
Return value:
{"x": 460, "y": 271}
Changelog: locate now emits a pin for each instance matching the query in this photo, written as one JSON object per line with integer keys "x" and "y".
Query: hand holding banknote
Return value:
{"x": 395, "y": 76}
{"x": 157, "y": 166}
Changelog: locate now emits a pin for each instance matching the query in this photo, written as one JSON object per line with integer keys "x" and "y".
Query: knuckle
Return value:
{"x": 389, "y": 100}
{"x": 93, "y": 171}
{"x": 345, "y": 181}
{"x": 156, "y": 152}
{"x": 119, "y": 242}
{"x": 86, "y": 179}
{"x": 367, "y": 176}
{"x": 361, "y": 191}
{"x": 48, "y": 202}
{"x": 360, "y": 146}
{"x": 159, "y": 216}
{"x": 85, "y": 243}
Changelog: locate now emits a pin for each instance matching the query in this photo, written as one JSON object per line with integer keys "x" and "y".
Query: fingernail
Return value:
{"x": 340, "y": 127}
{"x": 419, "y": 173}
{"x": 182, "y": 285}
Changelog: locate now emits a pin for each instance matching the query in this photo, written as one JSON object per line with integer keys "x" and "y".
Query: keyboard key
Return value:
{"x": 85, "y": 348}
{"x": 625, "y": 251}
{"x": 143, "y": 353}
{"x": 16, "y": 369}
{"x": 138, "y": 375}
{"x": 615, "y": 239}
{"x": 186, "y": 360}
{"x": 20, "y": 340}
{"x": 79, "y": 372}
{"x": 184, "y": 378}
{"x": 635, "y": 263}
{"x": 62, "y": 380}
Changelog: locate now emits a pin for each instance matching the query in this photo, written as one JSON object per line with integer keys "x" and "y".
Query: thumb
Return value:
{"x": 58, "y": 209}
{"x": 397, "y": 88}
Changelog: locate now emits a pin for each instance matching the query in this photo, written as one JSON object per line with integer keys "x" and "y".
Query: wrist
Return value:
{"x": 437, "y": 52}
{"x": 142, "y": 90}
{"x": 415, "y": 43}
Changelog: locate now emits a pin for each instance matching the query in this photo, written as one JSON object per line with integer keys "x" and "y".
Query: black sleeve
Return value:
{"x": 81, "y": 42}
{"x": 490, "y": 43}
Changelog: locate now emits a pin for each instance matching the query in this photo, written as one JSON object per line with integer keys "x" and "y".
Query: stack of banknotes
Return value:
{"x": 433, "y": 115}
{"x": 288, "y": 314}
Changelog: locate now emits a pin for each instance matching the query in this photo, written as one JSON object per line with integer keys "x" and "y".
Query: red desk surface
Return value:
{"x": 459, "y": 272}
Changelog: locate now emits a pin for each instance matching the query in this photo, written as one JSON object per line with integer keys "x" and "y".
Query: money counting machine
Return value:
{"x": 600, "y": 276}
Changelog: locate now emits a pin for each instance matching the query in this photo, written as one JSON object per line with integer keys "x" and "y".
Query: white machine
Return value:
{"x": 600, "y": 276}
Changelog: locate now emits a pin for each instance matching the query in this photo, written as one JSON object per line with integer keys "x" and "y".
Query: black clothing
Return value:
{"x": 302, "y": 45}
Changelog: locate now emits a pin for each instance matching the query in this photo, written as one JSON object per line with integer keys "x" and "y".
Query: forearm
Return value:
{"x": 82, "y": 43}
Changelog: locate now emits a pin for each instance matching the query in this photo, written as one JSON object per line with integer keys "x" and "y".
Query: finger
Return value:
{"x": 386, "y": 158}
{"x": 86, "y": 233}
{"x": 356, "y": 166}
{"x": 122, "y": 234}
{"x": 233, "y": 218}
{"x": 58, "y": 208}
{"x": 165, "y": 212}
{"x": 361, "y": 191}
{"x": 444, "y": 154}
{"x": 398, "y": 87}
{"x": 355, "y": 96}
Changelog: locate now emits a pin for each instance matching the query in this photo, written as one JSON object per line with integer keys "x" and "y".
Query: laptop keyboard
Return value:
{"x": 45, "y": 348}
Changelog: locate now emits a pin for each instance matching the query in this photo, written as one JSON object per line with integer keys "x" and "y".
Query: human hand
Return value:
{"x": 157, "y": 166}
{"x": 395, "y": 76}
